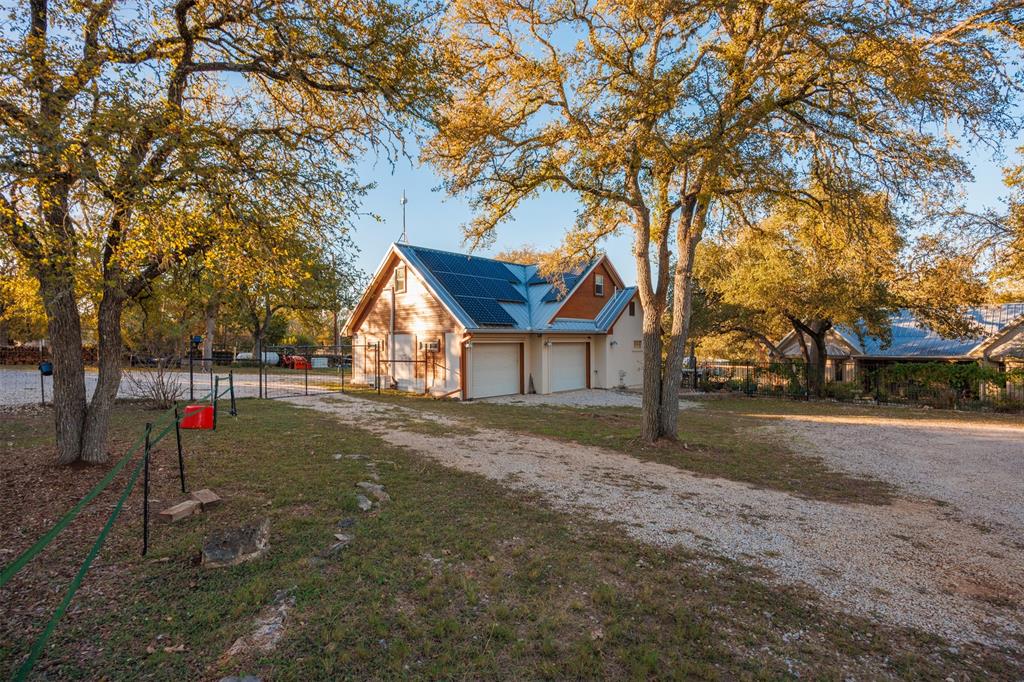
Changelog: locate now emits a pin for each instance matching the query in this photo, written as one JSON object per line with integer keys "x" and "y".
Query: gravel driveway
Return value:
{"x": 977, "y": 468}
{"x": 913, "y": 563}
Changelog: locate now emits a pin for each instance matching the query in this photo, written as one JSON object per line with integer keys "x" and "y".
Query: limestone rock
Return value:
{"x": 231, "y": 546}
{"x": 269, "y": 627}
{"x": 375, "y": 489}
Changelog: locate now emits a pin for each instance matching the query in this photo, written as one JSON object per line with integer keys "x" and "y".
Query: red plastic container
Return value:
{"x": 197, "y": 417}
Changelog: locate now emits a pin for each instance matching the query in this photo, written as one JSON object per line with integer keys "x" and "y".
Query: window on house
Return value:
{"x": 632, "y": 308}
{"x": 638, "y": 344}
{"x": 599, "y": 285}
{"x": 400, "y": 279}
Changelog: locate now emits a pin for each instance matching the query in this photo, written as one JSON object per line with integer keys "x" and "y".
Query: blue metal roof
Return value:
{"x": 569, "y": 280}
{"x": 487, "y": 293}
{"x": 912, "y": 339}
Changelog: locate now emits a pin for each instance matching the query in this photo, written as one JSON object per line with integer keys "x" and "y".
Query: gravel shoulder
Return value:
{"x": 914, "y": 563}
{"x": 978, "y": 469}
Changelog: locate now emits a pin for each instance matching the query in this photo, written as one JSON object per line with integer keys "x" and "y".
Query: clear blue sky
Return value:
{"x": 434, "y": 219}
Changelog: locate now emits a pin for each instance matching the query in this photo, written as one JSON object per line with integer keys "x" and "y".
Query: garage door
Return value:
{"x": 494, "y": 369}
{"x": 568, "y": 366}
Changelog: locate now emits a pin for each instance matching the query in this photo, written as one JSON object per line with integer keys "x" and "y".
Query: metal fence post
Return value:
{"x": 259, "y": 352}
{"x": 145, "y": 491}
{"x": 191, "y": 377}
{"x": 181, "y": 458}
{"x": 305, "y": 373}
{"x": 231, "y": 384}
{"x": 216, "y": 389}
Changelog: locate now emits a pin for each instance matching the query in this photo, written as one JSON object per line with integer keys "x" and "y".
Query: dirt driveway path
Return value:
{"x": 911, "y": 563}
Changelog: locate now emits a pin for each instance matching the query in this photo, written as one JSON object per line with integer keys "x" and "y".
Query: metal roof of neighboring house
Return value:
{"x": 912, "y": 339}
{"x": 484, "y": 293}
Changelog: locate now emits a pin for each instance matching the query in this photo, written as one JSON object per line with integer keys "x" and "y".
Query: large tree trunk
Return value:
{"x": 64, "y": 327}
{"x": 652, "y": 396}
{"x": 97, "y": 420}
{"x": 652, "y": 301}
{"x": 819, "y": 357}
{"x": 688, "y": 235}
{"x": 815, "y": 354}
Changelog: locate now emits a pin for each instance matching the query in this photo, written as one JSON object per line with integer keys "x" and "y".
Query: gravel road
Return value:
{"x": 915, "y": 562}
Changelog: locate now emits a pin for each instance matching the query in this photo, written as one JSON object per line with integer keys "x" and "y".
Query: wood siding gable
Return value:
{"x": 583, "y": 303}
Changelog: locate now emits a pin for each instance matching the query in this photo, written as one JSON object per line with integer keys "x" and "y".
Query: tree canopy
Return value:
{"x": 811, "y": 266}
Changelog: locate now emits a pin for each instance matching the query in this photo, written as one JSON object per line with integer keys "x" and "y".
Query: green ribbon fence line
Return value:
{"x": 76, "y": 583}
{"x": 47, "y": 538}
{"x": 11, "y": 569}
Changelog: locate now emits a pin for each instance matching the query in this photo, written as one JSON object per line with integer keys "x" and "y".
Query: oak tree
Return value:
{"x": 664, "y": 116}
{"x": 121, "y": 121}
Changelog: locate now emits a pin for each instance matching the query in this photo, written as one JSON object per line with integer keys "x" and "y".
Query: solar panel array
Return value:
{"x": 478, "y": 284}
{"x": 537, "y": 279}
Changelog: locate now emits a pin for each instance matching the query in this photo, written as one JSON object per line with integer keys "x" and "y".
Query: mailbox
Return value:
{"x": 197, "y": 417}
{"x": 46, "y": 368}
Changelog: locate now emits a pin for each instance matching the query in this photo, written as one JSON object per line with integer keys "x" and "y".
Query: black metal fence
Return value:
{"x": 990, "y": 390}
{"x": 186, "y": 374}
{"x": 279, "y": 371}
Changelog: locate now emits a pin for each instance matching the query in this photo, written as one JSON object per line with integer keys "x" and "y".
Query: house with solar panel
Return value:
{"x": 470, "y": 327}
{"x": 999, "y": 342}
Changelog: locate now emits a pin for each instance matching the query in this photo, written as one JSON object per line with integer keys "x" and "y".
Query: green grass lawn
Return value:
{"x": 455, "y": 578}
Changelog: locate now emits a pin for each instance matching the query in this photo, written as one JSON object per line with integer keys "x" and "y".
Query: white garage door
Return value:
{"x": 494, "y": 369}
{"x": 568, "y": 366}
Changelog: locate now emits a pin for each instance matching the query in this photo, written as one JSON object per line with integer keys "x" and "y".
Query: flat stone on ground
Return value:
{"x": 180, "y": 511}
{"x": 375, "y": 489}
{"x": 269, "y": 627}
{"x": 231, "y": 546}
{"x": 206, "y": 497}
{"x": 364, "y": 502}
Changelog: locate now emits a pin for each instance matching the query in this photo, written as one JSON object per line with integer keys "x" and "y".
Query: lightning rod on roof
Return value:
{"x": 405, "y": 237}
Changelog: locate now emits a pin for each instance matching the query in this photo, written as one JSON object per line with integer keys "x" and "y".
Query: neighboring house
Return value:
{"x": 999, "y": 342}
{"x": 473, "y": 327}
